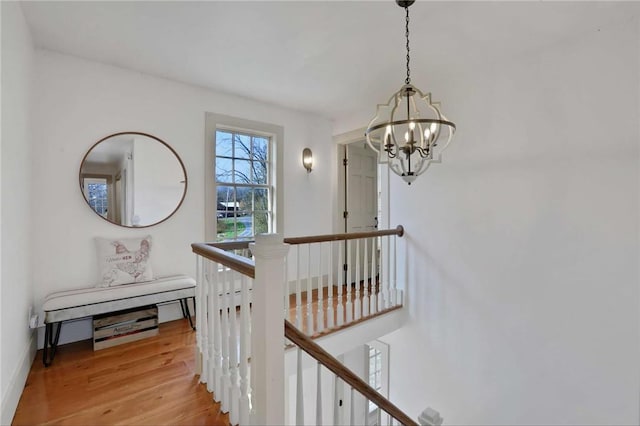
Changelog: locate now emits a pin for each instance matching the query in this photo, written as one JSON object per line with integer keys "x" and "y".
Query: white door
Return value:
{"x": 361, "y": 206}
{"x": 362, "y": 191}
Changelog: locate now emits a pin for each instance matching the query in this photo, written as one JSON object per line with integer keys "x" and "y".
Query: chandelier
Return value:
{"x": 409, "y": 132}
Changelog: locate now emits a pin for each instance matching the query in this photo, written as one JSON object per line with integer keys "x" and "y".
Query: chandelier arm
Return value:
{"x": 424, "y": 153}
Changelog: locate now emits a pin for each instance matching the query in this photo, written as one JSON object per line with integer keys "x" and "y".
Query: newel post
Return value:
{"x": 267, "y": 330}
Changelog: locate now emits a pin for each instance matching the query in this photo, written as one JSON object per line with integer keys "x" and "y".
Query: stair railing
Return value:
{"x": 240, "y": 307}
{"x": 223, "y": 324}
{"x": 326, "y": 360}
{"x": 358, "y": 269}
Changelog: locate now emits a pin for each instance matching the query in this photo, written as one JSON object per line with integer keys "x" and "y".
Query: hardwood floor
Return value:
{"x": 338, "y": 295}
{"x": 148, "y": 382}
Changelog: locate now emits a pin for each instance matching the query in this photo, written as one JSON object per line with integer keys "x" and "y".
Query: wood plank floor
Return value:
{"x": 148, "y": 382}
{"x": 368, "y": 295}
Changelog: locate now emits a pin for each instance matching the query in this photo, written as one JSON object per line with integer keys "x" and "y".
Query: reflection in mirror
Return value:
{"x": 133, "y": 179}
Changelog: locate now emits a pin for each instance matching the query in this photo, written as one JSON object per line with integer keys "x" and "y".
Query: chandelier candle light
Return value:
{"x": 409, "y": 132}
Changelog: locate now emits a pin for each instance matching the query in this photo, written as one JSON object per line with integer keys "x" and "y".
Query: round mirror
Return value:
{"x": 133, "y": 179}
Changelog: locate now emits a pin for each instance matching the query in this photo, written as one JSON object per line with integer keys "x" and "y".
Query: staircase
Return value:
{"x": 258, "y": 300}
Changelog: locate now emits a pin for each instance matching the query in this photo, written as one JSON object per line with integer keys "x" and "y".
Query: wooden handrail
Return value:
{"x": 348, "y": 376}
{"x": 399, "y": 231}
{"x": 238, "y": 263}
{"x": 232, "y": 245}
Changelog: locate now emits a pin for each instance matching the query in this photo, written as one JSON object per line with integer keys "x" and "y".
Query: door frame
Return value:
{"x": 342, "y": 140}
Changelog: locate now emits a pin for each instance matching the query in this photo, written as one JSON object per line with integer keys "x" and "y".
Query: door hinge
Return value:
{"x": 345, "y": 215}
{"x": 344, "y": 267}
{"x": 345, "y": 161}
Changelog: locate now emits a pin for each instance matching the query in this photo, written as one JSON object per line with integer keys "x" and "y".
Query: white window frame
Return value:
{"x": 377, "y": 416}
{"x": 275, "y": 133}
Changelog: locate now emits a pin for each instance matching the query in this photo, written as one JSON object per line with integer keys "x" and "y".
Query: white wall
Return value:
{"x": 523, "y": 245}
{"x": 354, "y": 359}
{"x": 79, "y": 102}
{"x": 17, "y": 290}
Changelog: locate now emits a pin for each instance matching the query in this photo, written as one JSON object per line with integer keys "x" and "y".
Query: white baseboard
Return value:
{"x": 16, "y": 384}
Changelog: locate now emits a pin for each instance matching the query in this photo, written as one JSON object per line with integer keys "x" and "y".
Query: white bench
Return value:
{"x": 87, "y": 302}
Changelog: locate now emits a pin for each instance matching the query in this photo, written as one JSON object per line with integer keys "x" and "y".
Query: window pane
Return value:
{"x": 260, "y": 149}
{"x": 244, "y": 225}
{"x": 259, "y": 172}
{"x": 242, "y": 146}
{"x": 226, "y": 198}
{"x": 227, "y": 228}
{"x": 224, "y": 145}
{"x": 97, "y": 193}
{"x": 224, "y": 170}
{"x": 243, "y": 196}
{"x": 261, "y": 221}
{"x": 242, "y": 171}
{"x": 261, "y": 199}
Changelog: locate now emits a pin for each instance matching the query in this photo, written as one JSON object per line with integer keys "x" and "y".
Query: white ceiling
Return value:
{"x": 336, "y": 59}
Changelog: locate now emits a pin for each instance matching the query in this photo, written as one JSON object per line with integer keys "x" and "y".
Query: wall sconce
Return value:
{"x": 307, "y": 159}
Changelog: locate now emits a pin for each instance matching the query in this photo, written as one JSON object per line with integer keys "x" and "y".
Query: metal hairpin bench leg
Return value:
{"x": 50, "y": 343}
{"x": 184, "y": 313}
{"x": 185, "y": 309}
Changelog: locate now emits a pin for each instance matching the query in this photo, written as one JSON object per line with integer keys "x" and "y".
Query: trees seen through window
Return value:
{"x": 242, "y": 170}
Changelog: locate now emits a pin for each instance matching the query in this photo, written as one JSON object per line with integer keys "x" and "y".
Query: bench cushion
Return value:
{"x": 85, "y": 302}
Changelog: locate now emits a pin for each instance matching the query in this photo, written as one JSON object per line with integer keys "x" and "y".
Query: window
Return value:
{"x": 243, "y": 186}
{"x": 95, "y": 191}
{"x": 375, "y": 374}
{"x": 378, "y": 377}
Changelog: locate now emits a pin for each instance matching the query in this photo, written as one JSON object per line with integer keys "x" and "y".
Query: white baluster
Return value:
{"x": 358, "y": 301}
{"x": 233, "y": 351}
{"x": 330, "y": 286}
{"x": 374, "y": 277}
{"x": 365, "y": 281}
{"x": 204, "y": 334}
{"x": 205, "y": 324}
{"x": 352, "y": 409}
{"x": 336, "y": 400}
{"x": 387, "y": 286}
{"x": 225, "y": 394}
{"x": 214, "y": 273}
{"x": 244, "y": 351}
{"x": 298, "y": 290}
{"x": 340, "y": 319}
{"x": 199, "y": 282}
{"x": 381, "y": 275}
{"x": 320, "y": 311}
{"x": 199, "y": 290}
{"x": 309, "y": 293}
{"x": 349, "y": 304}
{"x": 299, "y": 391}
{"x": 319, "y": 394}
{"x": 287, "y": 301}
{"x": 209, "y": 316}
{"x": 394, "y": 291}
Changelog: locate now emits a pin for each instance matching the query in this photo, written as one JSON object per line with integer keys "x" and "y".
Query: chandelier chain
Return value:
{"x": 408, "y": 79}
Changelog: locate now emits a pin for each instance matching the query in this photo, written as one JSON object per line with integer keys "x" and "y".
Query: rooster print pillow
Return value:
{"x": 123, "y": 261}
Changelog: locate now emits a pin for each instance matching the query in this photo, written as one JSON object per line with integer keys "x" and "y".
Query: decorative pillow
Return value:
{"x": 123, "y": 261}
